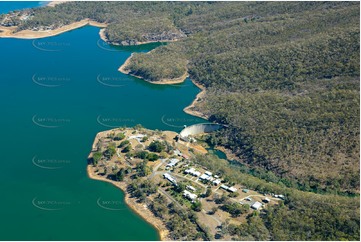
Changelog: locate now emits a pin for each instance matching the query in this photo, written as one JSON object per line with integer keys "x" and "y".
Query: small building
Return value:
{"x": 172, "y": 162}
{"x": 204, "y": 177}
{"x": 232, "y": 189}
{"x": 256, "y": 205}
{"x": 138, "y": 137}
{"x": 189, "y": 171}
{"x": 266, "y": 200}
{"x": 248, "y": 199}
{"x": 224, "y": 187}
{"x": 245, "y": 190}
{"x": 177, "y": 152}
{"x": 185, "y": 156}
{"x": 208, "y": 173}
{"x": 196, "y": 173}
{"x": 170, "y": 178}
{"x": 189, "y": 195}
{"x": 216, "y": 182}
{"x": 210, "y": 179}
{"x": 192, "y": 171}
{"x": 191, "y": 188}
{"x": 215, "y": 176}
{"x": 279, "y": 196}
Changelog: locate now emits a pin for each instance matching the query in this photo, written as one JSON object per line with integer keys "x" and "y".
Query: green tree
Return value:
{"x": 142, "y": 169}
{"x": 119, "y": 176}
{"x": 123, "y": 143}
{"x": 96, "y": 157}
{"x": 208, "y": 192}
{"x": 156, "y": 146}
{"x": 110, "y": 152}
{"x": 197, "y": 206}
{"x": 119, "y": 136}
{"x": 141, "y": 154}
{"x": 152, "y": 157}
{"x": 214, "y": 210}
{"x": 127, "y": 148}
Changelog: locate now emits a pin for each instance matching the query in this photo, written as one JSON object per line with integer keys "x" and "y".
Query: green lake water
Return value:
{"x": 55, "y": 95}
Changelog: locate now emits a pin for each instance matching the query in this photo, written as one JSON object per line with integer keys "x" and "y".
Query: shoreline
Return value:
{"x": 178, "y": 80}
{"x": 181, "y": 79}
{"x": 197, "y": 99}
{"x": 54, "y": 3}
{"x": 141, "y": 211}
{"x": 7, "y": 32}
{"x": 102, "y": 35}
{"x": 138, "y": 208}
{"x": 141, "y": 43}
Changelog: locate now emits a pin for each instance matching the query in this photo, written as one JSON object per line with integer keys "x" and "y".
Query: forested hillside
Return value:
{"x": 284, "y": 78}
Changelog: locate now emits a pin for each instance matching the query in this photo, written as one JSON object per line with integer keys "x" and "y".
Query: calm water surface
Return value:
{"x": 7, "y": 6}
{"x": 55, "y": 95}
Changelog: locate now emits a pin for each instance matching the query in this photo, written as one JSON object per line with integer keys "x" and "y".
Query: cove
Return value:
{"x": 55, "y": 95}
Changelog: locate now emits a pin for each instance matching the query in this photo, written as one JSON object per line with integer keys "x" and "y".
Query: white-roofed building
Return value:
{"x": 204, "y": 177}
{"x": 189, "y": 195}
{"x": 232, "y": 189}
{"x": 172, "y": 162}
{"x": 177, "y": 152}
{"x": 192, "y": 171}
{"x": 256, "y": 205}
{"x": 170, "y": 178}
{"x": 138, "y": 137}
{"x": 224, "y": 187}
{"x": 208, "y": 173}
{"x": 191, "y": 188}
{"x": 188, "y": 171}
{"x": 210, "y": 178}
{"x": 196, "y": 173}
{"x": 216, "y": 182}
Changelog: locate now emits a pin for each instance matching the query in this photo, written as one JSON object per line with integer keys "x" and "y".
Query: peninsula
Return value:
{"x": 162, "y": 180}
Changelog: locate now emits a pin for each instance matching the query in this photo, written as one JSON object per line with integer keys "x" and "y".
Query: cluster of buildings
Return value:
{"x": 207, "y": 176}
{"x": 186, "y": 194}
